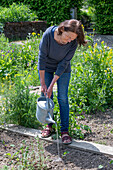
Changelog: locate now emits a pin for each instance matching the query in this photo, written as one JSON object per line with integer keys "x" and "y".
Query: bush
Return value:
{"x": 103, "y": 15}
{"x": 19, "y": 105}
{"x": 51, "y": 11}
{"x": 16, "y": 13}
{"x": 19, "y": 59}
{"x": 91, "y": 87}
{"x": 104, "y": 18}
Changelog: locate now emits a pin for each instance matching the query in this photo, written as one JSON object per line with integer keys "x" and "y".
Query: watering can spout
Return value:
{"x": 49, "y": 119}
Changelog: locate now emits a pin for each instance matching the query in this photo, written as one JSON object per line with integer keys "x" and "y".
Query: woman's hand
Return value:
{"x": 44, "y": 89}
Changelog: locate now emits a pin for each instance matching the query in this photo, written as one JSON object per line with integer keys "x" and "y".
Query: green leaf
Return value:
{"x": 8, "y": 154}
{"x": 111, "y": 162}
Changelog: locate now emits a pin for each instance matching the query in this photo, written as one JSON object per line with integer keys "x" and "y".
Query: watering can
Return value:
{"x": 44, "y": 111}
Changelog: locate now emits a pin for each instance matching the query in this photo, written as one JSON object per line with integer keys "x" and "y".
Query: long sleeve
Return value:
{"x": 65, "y": 62}
{"x": 42, "y": 57}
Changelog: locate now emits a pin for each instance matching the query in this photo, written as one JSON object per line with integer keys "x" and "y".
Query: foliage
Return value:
{"x": 51, "y": 11}
{"x": 1, "y": 27}
{"x": 91, "y": 87}
{"x": 60, "y": 10}
{"x": 19, "y": 105}
{"x": 103, "y": 15}
{"x": 104, "y": 18}
{"x": 19, "y": 59}
{"x": 16, "y": 13}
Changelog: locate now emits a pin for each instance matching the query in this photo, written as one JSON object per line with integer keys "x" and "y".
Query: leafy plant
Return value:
{"x": 103, "y": 16}
{"x": 19, "y": 59}
{"x": 19, "y": 104}
{"x": 92, "y": 89}
{"x": 16, "y": 13}
{"x": 44, "y": 9}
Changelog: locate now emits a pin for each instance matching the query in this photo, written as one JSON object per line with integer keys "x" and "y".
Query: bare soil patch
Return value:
{"x": 72, "y": 159}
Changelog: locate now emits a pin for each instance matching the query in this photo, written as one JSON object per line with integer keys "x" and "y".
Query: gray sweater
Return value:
{"x": 54, "y": 57}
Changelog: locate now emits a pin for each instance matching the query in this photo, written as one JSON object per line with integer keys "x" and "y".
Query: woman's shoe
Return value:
{"x": 47, "y": 132}
{"x": 66, "y": 139}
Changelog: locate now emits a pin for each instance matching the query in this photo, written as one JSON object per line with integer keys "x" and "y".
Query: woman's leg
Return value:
{"x": 63, "y": 83}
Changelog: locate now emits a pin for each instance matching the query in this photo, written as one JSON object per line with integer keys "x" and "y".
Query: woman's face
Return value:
{"x": 67, "y": 37}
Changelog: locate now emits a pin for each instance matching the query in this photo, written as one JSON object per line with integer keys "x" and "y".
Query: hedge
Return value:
{"x": 103, "y": 15}
{"x": 52, "y": 11}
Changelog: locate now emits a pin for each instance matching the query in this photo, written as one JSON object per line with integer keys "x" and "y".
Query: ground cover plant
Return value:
{"x": 91, "y": 85}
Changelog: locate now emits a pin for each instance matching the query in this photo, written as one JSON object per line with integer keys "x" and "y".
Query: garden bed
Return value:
{"x": 72, "y": 159}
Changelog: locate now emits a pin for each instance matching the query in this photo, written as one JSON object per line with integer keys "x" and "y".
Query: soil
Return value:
{"x": 36, "y": 154}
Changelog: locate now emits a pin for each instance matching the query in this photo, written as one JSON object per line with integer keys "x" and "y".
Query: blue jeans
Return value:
{"x": 62, "y": 96}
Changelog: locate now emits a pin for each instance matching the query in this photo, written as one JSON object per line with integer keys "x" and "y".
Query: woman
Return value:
{"x": 56, "y": 49}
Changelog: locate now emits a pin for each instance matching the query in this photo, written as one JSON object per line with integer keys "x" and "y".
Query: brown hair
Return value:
{"x": 75, "y": 26}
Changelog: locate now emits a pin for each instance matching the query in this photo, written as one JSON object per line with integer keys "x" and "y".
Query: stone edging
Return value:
{"x": 77, "y": 144}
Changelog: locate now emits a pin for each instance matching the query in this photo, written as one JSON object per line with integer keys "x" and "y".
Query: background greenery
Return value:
{"x": 15, "y": 13}
{"x": 50, "y": 10}
{"x": 103, "y": 15}
{"x": 54, "y": 12}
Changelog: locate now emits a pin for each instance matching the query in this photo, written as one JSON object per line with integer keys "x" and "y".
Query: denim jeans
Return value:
{"x": 62, "y": 96}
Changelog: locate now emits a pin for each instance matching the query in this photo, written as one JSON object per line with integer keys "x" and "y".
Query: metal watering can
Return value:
{"x": 44, "y": 111}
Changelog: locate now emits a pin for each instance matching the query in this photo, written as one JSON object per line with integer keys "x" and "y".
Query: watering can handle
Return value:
{"x": 48, "y": 104}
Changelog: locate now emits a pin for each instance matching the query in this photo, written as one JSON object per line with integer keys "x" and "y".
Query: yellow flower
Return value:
{"x": 108, "y": 69}
{"x": 111, "y": 50}
{"x": 105, "y": 71}
{"x": 2, "y": 91}
{"x": 10, "y": 87}
{"x": 108, "y": 76}
{"x": 95, "y": 45}
{"x": 110, "y": 62}
{"x": 2, "y": 85}
{"x": 29, "y": 76}
{"x": 33, "y": 33}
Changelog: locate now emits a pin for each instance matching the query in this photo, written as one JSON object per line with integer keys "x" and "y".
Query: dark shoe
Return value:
{"x": 66, "y": 139}
{"x": 47, "y": 132}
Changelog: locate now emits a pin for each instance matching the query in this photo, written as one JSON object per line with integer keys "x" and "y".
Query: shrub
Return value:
{"x": 103, "y": 15}
{"x": 91, "y": 87}
{"x": 16, "y": 13}
{"x": 51, "y": 11}
{"x": 19, "y": 59}
{"x": 19, "y": 105}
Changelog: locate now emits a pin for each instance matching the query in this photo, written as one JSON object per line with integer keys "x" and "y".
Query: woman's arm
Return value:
{"x": 50, "y": 88}
{"x": 42, "y": 81}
